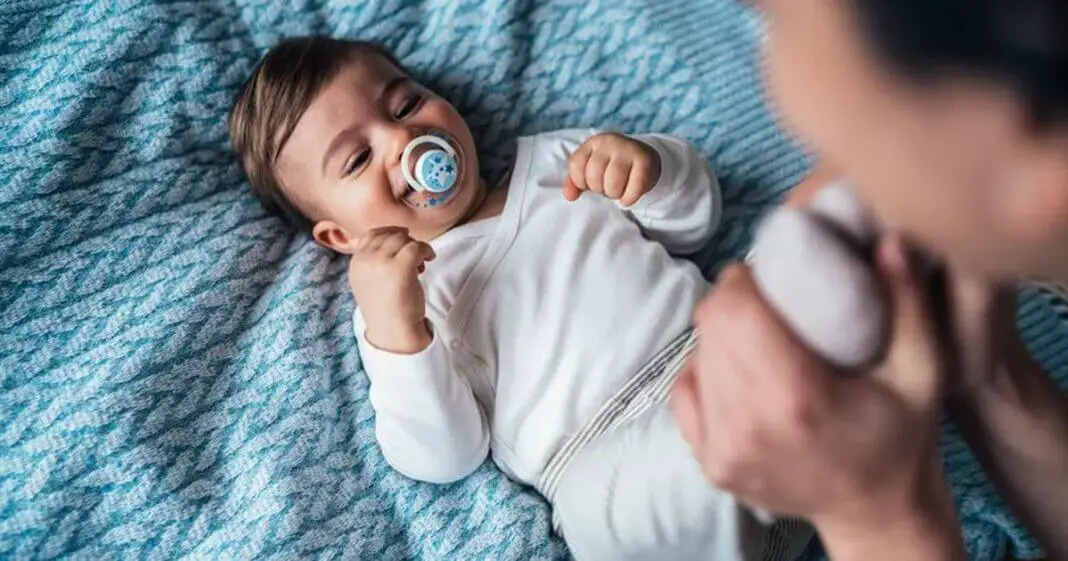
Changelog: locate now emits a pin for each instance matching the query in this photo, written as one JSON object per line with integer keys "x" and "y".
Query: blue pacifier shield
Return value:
{"x": 437, "y": 171}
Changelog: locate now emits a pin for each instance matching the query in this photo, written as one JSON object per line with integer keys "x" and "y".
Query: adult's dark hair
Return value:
{"x": 1022, "y": 44}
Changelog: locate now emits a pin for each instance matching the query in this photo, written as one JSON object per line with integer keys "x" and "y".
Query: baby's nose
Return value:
{"x": 401, "y": 137}
{"x": 397, "y": 182}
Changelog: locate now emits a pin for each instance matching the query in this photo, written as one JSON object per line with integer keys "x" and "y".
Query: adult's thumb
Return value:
{"x": 913, "y": 363}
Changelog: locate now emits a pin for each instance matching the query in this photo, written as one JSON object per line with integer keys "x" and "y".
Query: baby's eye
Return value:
{"x": 409, "y": 106}
{"x": 357, "y": 161}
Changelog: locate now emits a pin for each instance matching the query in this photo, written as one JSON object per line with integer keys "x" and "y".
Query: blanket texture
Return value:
{"x": 178, "y": 377}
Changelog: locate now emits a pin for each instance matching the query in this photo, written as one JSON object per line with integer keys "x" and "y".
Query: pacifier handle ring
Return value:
{"x": 407, "y": 155}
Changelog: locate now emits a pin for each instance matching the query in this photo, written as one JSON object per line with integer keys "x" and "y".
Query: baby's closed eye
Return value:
{"x": 357, "y": 161}
{"x": 410, "y": 106}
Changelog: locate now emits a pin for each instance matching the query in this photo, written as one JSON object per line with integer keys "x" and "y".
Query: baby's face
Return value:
{"x": 342, "y": 163}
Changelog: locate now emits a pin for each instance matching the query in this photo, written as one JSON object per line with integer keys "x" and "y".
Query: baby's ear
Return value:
{"x": 332, "y": 235}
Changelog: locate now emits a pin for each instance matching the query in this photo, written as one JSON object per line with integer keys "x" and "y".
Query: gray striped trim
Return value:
{"x": 785, "y": 538}
{"x": 649, "y": 387}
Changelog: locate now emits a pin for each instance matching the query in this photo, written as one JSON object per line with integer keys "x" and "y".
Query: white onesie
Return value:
{"x": 539, "y": 316}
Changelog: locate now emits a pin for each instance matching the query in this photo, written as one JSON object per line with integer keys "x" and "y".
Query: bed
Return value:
{"x": 178, "y": 377}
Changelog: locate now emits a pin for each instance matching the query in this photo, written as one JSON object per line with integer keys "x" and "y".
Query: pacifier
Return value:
{"x": 431, "y": 167}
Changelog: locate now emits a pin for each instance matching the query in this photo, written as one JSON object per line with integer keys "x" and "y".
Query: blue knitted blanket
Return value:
{"x": 178, "y": 377}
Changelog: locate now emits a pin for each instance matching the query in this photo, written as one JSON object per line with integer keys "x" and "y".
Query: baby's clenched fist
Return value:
{"x": 384, "y": 277}
{"x": 614, "y": 165}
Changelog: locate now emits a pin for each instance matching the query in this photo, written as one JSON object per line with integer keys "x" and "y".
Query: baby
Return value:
{"x": 540, "y": 322}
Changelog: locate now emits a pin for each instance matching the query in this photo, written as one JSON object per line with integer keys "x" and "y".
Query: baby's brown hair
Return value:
{"x": 272, "y": 101}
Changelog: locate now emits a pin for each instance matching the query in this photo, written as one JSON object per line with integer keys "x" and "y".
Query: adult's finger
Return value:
{"x": 913, "y": 363}
{"x": 686, "y": 405}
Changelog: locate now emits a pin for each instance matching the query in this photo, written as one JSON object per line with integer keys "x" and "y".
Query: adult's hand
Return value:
{"x": 1012, "y": 414}
{"x": 857, "y": 456}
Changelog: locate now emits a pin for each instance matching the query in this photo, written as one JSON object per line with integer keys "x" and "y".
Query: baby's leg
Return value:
{"x": 637, "y": 494}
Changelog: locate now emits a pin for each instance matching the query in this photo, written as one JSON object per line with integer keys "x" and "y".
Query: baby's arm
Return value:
{"x": 682, "y": 209}
{"x": 661, "y": 182}
{"x": 427, "y": 421}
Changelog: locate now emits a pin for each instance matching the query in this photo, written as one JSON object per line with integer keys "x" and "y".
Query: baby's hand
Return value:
{"x": 384, "y": 277}
{"x": 613, "y": 165}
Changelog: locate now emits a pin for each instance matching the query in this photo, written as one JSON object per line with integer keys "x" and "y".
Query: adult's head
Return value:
{"x": 949, "y": 116}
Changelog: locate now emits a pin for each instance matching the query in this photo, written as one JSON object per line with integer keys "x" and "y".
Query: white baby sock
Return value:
{"x": 812, "y": 265}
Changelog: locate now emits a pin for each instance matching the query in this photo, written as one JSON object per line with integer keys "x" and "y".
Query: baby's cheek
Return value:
{"x": 362, "y": 209}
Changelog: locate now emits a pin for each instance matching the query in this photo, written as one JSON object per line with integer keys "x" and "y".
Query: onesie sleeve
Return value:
{"x": 428, "y": 423}
{"x": 683, "y": 208}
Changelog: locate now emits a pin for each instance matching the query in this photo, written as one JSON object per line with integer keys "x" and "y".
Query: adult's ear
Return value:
{"x": 332, "y": 235}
